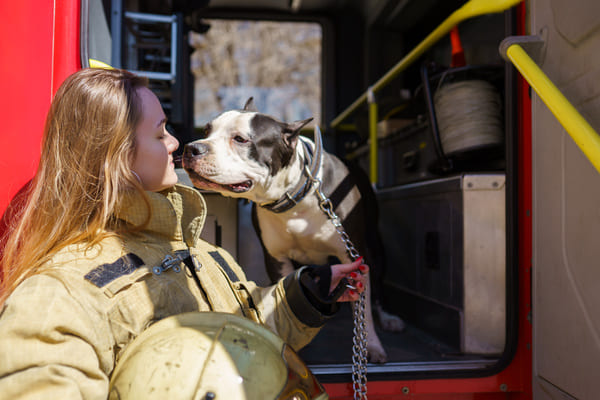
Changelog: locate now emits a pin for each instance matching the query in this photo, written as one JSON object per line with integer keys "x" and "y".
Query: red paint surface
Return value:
{"x": 39, "y": 48}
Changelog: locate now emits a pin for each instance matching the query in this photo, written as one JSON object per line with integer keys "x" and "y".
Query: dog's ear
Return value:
{"x": 249, "y": 106}
{"x": 292, "y": 130}
{"x": 297, "y": 125}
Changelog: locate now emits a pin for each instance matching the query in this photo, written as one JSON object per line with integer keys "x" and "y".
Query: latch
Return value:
{"x": 173, "y": 262}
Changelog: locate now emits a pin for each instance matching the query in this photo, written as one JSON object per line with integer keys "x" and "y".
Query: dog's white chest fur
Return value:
{"x": 303, "y": 234}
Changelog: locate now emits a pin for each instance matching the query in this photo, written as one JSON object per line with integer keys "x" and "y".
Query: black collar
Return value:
{"x": 287, "y": 201}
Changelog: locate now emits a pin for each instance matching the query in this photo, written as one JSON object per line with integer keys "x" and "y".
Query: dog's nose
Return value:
{"x": 195, "y": 149}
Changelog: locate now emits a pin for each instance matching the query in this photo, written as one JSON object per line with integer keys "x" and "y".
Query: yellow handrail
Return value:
{"x": 373, "y": 167}
{"x": 99, "y": 64}
{"x": 576, "y": 126}
{"x": 470, "y": 9}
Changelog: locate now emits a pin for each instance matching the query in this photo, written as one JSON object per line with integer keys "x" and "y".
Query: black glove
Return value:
{"x": 316, "y": 281}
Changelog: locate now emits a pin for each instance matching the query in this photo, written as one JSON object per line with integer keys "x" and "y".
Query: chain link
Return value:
{"x": 359, "y": 350}
{"x": 359, "y": 340}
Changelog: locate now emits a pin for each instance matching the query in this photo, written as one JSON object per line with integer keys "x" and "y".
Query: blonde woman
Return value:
{"x": 108, "y": 243}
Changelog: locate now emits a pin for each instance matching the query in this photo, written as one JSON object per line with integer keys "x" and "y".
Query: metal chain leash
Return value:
{"x": 359, "y": 340}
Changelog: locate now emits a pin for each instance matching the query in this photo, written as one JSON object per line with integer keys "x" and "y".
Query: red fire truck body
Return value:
{"x": 41, "y": 44}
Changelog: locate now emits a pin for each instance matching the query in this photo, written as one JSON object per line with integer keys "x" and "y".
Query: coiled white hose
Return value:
{"x": 469, "y": 115}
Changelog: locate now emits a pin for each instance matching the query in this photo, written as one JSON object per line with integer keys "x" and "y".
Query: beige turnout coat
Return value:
{"x": 62, "y": 331}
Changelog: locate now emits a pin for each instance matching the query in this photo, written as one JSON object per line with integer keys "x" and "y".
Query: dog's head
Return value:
{"x": 244, "y": 154}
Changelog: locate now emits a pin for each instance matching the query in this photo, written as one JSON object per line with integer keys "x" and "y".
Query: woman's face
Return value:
{"x": 153, "y": 159}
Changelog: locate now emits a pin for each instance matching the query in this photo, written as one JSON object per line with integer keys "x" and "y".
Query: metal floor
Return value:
{"x": 334, "y": 343}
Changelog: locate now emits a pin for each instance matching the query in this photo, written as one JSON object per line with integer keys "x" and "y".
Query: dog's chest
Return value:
{"x": 305, "y": 235}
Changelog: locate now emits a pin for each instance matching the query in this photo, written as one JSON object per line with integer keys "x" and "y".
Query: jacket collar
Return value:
{"x": 177, "y": 214}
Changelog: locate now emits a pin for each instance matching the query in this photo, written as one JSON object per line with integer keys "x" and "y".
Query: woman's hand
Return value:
{"x": 356, "y": 275}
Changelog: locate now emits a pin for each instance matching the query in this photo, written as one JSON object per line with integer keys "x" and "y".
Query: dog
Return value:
{"x": 250, "y": 155}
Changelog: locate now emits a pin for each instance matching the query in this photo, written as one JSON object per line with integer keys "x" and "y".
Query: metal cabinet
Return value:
{"x": 445, "y": 246}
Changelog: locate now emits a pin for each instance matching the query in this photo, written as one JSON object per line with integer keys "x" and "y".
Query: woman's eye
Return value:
{"x": 240, "y": 139}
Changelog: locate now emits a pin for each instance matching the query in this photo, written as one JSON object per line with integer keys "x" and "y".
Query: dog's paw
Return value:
{"x": 376, "y": 354}
{"x": 389, "y": 322}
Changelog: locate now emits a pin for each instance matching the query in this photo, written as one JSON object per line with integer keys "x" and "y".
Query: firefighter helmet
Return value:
{"x": 210, "y": 355}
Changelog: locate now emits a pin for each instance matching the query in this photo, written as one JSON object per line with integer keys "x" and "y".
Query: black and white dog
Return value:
{"x": 250, "y": 155}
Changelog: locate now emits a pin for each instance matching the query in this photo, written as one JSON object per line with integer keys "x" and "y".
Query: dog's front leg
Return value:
{"x": 377, "y": 353}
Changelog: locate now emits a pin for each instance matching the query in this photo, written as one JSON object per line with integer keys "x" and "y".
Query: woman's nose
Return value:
{"x": 174, "y": 143}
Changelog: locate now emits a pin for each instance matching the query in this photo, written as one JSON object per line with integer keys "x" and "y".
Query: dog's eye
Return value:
{"x": 240, "y": 139}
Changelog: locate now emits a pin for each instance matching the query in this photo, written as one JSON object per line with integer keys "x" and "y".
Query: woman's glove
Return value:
{"x": 325, "y": 285}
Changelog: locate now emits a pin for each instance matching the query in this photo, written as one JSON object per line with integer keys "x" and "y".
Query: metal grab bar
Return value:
{"x": 470, "y": 9}
{"x": 576, "y": 126}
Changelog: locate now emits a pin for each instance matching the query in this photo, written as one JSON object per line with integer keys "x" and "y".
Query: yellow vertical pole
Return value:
{"x": 373, "y": 154}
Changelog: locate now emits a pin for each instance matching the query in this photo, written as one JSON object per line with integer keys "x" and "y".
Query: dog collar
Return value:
{"x": 293, "y": 197}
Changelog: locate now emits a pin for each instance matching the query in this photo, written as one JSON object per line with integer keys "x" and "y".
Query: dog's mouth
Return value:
{"x": 203, "y": 183}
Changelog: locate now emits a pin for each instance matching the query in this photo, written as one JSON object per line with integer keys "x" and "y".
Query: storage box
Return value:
{"x": 405, "y": 155}
{"x": 446, "y": 263}
{"x": 388, "y": 127}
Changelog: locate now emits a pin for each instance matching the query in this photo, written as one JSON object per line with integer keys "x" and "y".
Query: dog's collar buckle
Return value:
{"x": 291, "y": 199}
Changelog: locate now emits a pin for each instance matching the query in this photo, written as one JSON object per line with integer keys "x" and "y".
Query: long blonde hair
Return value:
{"x": 87, "y": 148}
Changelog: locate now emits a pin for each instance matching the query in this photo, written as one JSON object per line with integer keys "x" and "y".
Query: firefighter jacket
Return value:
{"x": 62, "y": 330}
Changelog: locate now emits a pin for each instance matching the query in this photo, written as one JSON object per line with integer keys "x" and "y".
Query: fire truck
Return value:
{"x": 474, "y": 120}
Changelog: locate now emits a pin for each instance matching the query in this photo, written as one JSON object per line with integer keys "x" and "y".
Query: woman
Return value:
{"x": 107, "y": 244}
